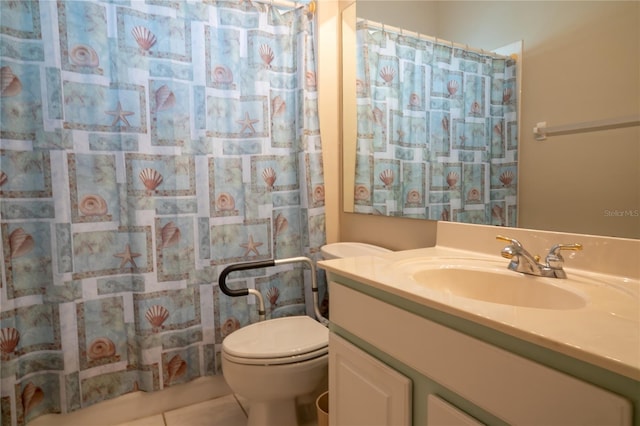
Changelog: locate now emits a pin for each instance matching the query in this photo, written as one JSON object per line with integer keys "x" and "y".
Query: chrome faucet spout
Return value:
{"x": 523, "y": 261}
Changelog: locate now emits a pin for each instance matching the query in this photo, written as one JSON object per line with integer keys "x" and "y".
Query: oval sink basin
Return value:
{"x": 503, "y": 287}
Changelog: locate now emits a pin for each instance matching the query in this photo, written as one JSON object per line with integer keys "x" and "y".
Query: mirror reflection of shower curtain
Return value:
{"x": 144, "y": 147}
{"x": 436, "y": 132}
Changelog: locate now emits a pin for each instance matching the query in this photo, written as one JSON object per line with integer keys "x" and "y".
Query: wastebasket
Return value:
{"x": 322, "y": 405}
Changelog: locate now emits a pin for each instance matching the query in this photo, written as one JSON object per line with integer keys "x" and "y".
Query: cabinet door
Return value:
{"x": 364, "y": 391}
{"x": 441, "y": 413}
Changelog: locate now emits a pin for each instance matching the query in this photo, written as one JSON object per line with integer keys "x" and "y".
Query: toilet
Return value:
{"x": 274, "y": 362}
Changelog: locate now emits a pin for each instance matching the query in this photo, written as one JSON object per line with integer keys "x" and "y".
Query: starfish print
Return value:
{"x": 247, "y": 123}
{"x": 120, "y": 114}
{"x": 127, "y": 257}
{"x": 251, "y": 246}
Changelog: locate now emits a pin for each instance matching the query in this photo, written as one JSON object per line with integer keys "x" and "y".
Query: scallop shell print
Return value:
{"x": 222, "y": 75}
{"x": 32, "y": 395}
{"x": 20, "y": 243}
{"x": 150, "y": 178}
{"x": 225, "y": 202}
{"x": 9, "y": 339}
{"x": 506, "y": 95}
{"x": 452, "y": 87}
{"x": 170, "y": 235}
{"x": 452, "y": 179}
{"x": 93, "y": 205}
{"x": 267, "y": 55}
{"x": 102, "y": 347}
{"x": 165, "y": 98}
{"x": 506, "y": 177}
{"x": 176, "y": 367}
{"x": 157, "y": 315}
{"x": 386, "y": 176}
{"x": 269, "y": 176}
{"x": 387, "y": 73}
{"x": 11, "y": 85}
{"x": 272, "y": 294}
{"x": 84, "y": 56}
{"x": 144, "y": 37}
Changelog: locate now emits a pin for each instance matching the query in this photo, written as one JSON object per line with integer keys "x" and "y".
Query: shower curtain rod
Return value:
{"x": 402, "y": 31}
{"x": 541, "y": 130}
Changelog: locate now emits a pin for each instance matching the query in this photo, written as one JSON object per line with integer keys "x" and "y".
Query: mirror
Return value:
{"x": 586, "y": 180}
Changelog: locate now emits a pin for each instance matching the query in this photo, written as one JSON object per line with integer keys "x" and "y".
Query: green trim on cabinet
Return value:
{"x": 601, "y": 377}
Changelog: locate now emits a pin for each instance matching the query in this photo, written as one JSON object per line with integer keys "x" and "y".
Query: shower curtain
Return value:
{"x": 437, "y": 130}
{"x": 145, "y": 146}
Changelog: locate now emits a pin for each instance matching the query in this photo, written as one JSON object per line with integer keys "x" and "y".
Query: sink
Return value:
{"x": 480, "y": 280}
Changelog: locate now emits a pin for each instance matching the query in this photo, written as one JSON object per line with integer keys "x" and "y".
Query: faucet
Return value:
{"x": 523, "y": 261}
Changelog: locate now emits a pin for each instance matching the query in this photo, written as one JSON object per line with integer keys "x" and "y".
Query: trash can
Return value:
{"x": 322, "y": 405}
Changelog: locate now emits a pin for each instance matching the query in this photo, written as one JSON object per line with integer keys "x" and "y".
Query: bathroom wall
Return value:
{"x": 573, "y": 72}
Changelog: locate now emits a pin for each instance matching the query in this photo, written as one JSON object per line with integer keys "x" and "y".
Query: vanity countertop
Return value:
{"x": 604, "y": 332}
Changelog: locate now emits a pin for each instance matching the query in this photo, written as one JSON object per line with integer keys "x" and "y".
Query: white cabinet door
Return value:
{"x": 441, "y": 413}
{"x": 364, "y": 391}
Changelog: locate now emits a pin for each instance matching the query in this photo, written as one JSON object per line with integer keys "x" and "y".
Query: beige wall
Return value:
{"x": 581, "y": 63}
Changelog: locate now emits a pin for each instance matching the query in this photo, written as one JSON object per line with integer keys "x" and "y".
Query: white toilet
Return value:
{"x": 273, "y": 362}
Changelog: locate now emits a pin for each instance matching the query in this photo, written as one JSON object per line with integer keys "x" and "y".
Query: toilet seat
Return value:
{"x": 278, "y": 341}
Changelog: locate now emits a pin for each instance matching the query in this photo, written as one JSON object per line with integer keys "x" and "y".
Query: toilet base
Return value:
{"x": 281, "y": 413}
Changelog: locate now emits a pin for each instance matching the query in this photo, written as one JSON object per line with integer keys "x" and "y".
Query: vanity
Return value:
{"x": 449, "y": 335}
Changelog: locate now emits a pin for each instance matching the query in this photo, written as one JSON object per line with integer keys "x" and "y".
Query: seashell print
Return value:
{"x": 473, "y": 195}
{"x": 414, "y": 100}
{"x": 3, "y": 178}
{"x": 11, "y": 85}
{"x": 378, "y": 116}
{"x": 445, "y": 124}
{"x": 361, "y": 193}
{"x": 157, "y": 315}
{"x": 170, "y": 235}
{"x": 310, "y": 79}
{"x": 444, "y": 215}
{"x": 269, "y": 176}
{"x": 150, "y": 178}
{"x": 386, "y": 176}
{"x": 32, "y": 395}
{"x": 498, "y": 213}
{"x": 101, "y": 347}
{"x": 387, "y": 73}
{"x": 176, "y": 367}
{"x": 165, "y": 99}
{"x": 278, "y": 106}
{"x": 506, "y": 95}
{"x": 506, "y": 177}
{"x": 281, "y": 224}
{"x": 498, "y": 129}
{"x": 222, "y": 75}
{"x": 225, "y": 202}
{"x": 413, "y": 196}
{"x": 452, "y": 179}
{"x": 20, "y": 243}
{"x": 93, "y": 205}
{"x": 229, "y": 326}
{"x": 144, "y": 37}
{"x": 452, "y": 87}
{"x": 9, "y": 339}
{"x": 318, "y": 193}
{"x": 360, "y": 86}
{"x": 476, "y": 109}
{"x": 84, "y": 56}
{"x": 272, "y": 294}
{"x": 266, "y": 53}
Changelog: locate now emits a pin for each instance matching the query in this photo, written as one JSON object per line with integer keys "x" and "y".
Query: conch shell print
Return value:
{"x": 150, "y": 178}
{"x": 170, "y": 235}
{"x": 32, "y": 395}
{"x": 101, "y": 347}
{"x": 318, "y": 193}
{"x": 361, "y": 193}
{"x": 3, "y": 178}
{"x": 84, "y": 56}
{"x": 229, "y": 326}
{"x": 165, "y": 99}
{"x": 225, "y": 202}
{"x": 222, "y": 75}
{"x": 413, "y": 196}
{"x": 93, "y": 205}
{"x": 280, "y": 224}
{"x": 176, "y": 368}
{"x": 144, "y": 37}
{"x": 20, "y": 243}
{"x": 278, "y": 106}
{"x": 9, "y": 339}
{"x": 157, "y": 315}
{"x": 11, "y": 85}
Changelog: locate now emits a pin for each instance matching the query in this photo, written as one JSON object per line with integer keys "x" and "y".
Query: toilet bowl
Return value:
{"x": 275, "y": 362}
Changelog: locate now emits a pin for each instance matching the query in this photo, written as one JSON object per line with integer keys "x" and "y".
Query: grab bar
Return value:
{"x": 266, "y": 264}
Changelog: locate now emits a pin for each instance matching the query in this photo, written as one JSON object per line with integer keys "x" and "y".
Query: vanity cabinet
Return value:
{"x": 390, "y": 355}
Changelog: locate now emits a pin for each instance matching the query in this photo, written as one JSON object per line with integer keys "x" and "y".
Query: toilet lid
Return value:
{"x": 299, "y": 337}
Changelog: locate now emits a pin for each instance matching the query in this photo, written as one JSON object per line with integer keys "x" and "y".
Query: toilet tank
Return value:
{"x": 350, "y": 249}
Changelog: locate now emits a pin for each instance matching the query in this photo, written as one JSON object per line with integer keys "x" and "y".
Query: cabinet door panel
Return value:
{"x": 441, "y": 413}
{"x": 363, "y": 391}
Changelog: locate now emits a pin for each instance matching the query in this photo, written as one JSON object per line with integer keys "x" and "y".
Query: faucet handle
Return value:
{"x": 509, "y": 240}
{"x": 554, "y": 258}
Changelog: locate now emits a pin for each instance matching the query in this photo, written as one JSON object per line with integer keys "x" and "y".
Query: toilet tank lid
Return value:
{"x": 277, "y": 338}
{"x": 351, "y": 249}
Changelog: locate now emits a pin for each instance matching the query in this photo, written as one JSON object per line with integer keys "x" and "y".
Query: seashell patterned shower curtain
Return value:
{"x": 437, "y": 130}
{"x": 145, "y": 146}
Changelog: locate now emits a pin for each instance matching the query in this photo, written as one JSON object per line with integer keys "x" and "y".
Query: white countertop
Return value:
{"x": 605, "y": 332}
